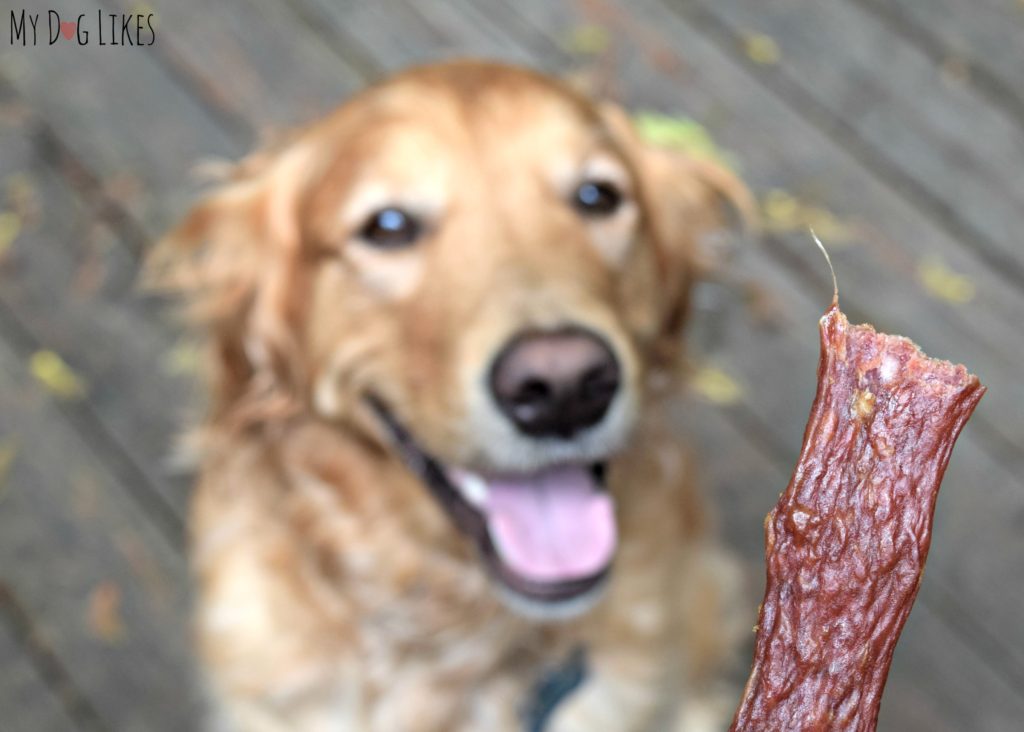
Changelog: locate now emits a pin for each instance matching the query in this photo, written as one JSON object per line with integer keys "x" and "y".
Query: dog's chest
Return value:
{"x": 493, "y": 679}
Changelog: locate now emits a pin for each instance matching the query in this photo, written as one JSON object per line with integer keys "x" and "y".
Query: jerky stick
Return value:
{"x": 847, "y": 542}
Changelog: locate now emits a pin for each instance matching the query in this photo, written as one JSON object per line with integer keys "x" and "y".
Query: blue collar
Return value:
{"x": 552, "y": 689}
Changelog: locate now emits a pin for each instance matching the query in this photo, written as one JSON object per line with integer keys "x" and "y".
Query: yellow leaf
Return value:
{"x": 10, "y": 227}
{"x": 144, "y": 9}
{"x": 681, "y": 133}
{"x": 781, "y": 210}
{"x": 184, "y": 358}
{"x": 825, "y": 224}
{"x": 784, "y": 213}
{"x": 716, "y": 386}
{"x": 55, "y": 375}
{"x": 761, "y": 49}
{"x": 21, "y": 194}
{"x": 586, "y": 40}
{"x": 943, "y": 283}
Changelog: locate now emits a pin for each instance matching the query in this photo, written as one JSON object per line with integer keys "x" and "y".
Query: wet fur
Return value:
{"x": 332, "y": 592}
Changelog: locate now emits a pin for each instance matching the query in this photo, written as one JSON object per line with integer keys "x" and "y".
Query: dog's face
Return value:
{"x": 478, "y": 269}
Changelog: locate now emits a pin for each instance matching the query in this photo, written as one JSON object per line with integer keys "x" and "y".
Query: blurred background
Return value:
{"x": 895, "y": 128}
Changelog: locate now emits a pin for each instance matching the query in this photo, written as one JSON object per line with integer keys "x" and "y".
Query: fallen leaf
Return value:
{"x": 10, "y": 227}
{"x": 943, "y": 283}
{"x": 141, "y": 8}
{"x": 781, "y": 209}
{"x": 105, "y": 620}
{"x": 784, "y": 213}
{"x": 681, "y": 133}
{"x": 956, "y": 69}
{"x": 761, "y": 49}
{"x": 22, "y": 196}
{"x": 715, "y": 385}
{"x": 183, "y": 359}
{"x": 8, "y": 451}
{"x": 586, "y": 40}
{"x": 144, "y": 9}
{"x": 55, "y": 375}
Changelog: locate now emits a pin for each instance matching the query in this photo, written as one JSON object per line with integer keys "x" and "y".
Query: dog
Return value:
{"x": 438, "y": 490}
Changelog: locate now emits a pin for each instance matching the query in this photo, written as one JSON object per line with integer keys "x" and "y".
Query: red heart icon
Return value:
{"x": 67, "y": 28}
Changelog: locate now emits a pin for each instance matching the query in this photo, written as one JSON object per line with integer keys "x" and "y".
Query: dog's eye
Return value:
{"x": 390, "y": 228}
{"x": 597, "y": 198}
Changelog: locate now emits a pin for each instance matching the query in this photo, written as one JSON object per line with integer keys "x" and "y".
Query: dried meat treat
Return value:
{"x": 847, "y": 542}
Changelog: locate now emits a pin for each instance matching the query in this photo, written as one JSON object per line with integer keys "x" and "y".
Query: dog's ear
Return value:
{"x": 234, "y": 261}
{"x": 684, "y": 198}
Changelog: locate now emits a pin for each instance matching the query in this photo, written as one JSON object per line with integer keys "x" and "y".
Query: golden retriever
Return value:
{"x": 437, "y": 487}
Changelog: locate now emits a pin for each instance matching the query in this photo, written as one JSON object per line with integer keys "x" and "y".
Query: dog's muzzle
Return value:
{"x": 547, "y": 537}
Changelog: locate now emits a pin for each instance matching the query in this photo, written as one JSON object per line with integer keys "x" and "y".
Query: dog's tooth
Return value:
{"x": 473, "y": 488}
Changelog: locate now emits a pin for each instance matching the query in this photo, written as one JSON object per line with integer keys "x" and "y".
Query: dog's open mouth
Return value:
{"x": 548, "y": 536}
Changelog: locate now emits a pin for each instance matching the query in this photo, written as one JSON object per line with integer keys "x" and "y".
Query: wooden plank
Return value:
{"x": 105, "y": 590}
{"x": 933, "y": 140}
{"x": 883, "y": 264}
{"x": 977, "y": 536}
{"x": 100, "y": 324}
{"x": 780, "y": 149}
{"x": 1008, "y": 302}
{"x": 28, "y": 704}
{"x": 938, "y": 674}
{"x": 398, "y": 34}
{"x": 981, "y": 39}
{"x": 71, "y": 285}
{"x": 123, "y": 114}
{"x": 255, "y": 59}
{"x": 743, "y": 482}
{"x": 938, "y": 682}
{"x": 782, "y": 407}
{"x": 777, "y": 399}
{"x": 548, "y": 44}
{"x": 139, "y": 119}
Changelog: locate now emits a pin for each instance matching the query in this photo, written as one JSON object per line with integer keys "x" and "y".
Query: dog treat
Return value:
{"x": 847, "y": 542}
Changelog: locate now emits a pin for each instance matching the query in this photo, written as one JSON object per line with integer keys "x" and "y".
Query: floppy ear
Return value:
{"x": 684, "y": 198}
{"x": 235, "y": 261}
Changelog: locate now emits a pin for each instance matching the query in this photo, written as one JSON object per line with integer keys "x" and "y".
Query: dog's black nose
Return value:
{"x": 555, "y": 383}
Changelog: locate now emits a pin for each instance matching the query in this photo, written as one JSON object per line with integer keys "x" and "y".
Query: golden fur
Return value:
{"x": 333, "y": 593}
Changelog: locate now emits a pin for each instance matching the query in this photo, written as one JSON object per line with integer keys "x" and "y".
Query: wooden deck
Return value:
{"x": 895, "y": 127}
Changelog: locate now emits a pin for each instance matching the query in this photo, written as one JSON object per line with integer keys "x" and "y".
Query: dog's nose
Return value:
{"x": 555, "y": 383}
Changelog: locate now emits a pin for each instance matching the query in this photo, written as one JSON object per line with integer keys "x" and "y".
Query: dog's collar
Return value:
{"x": 553, "y": 687}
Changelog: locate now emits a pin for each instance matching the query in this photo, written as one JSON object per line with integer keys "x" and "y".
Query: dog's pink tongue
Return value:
{"x": 553, "y": 526}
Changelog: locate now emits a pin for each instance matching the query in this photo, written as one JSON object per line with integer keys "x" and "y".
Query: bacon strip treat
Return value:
{"x": 847, "y": 542}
